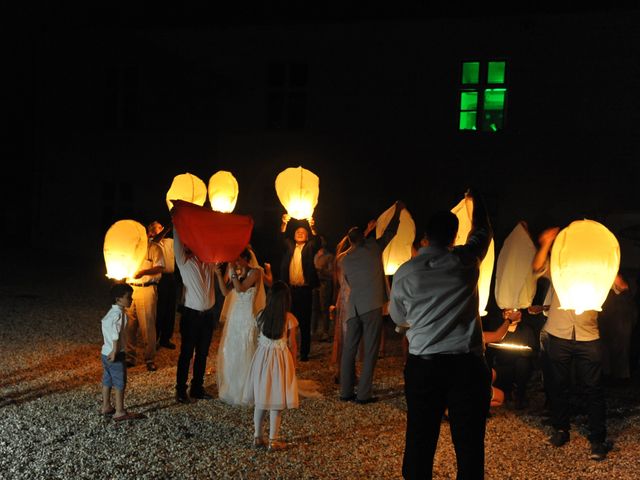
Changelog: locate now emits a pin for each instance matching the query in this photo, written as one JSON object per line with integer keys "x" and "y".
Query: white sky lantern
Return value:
{"x": 223, "y": 192}
{"x": 515, "y": 282}
{"x": 125, "y": 247}
{"x": 584, "y": 262}
{"x": 187, "y": 187}
{"x": 398, "y": 250}
{"x": 298, "y": 190}
{"x": 464, "y": 212}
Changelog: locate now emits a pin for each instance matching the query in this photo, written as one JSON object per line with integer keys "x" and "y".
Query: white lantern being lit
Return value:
{"x": 398, "y": 249}
{"x": 223, "y": 192}
{"x": 187, "y": 187}
{"x": 585, "y": 259}
{"x": 464, "y": 212}
{"x": 125, "y": 247}
{"x": 298, "y": 191}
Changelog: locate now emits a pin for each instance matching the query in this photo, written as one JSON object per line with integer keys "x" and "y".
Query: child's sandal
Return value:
{"x": 259, "y": 442}
{"x": 276, "y": 444}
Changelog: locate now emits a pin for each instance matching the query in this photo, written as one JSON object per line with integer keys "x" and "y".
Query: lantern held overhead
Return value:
{"x": 298, "y": 190}
{"x": 398, "y": 250}
{"x": 125, "y": 247}
{"x": 464, "y": 212}
{"x": 223, "y": 192}
{"x": 585, "y": 259}
{"x": 187, "y": 187}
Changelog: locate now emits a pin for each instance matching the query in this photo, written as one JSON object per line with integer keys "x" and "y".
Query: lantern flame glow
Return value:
{"x": 125, "y": 247}
{"x": 187, "y": 187}
{"x": 298, "y": 190}
{"x": 585, "y": 259}
{"x": 464, "y": 212}
{"x": 223, "y": 192}
{"x": 398, "y": 250}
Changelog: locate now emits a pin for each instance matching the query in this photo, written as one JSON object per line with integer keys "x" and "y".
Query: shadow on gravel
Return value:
{"x": 30, "y": 383}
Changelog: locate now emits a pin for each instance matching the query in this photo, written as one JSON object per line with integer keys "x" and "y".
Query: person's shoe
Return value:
{"x": 200, "y": 394}
{"x": 599, "y": 450}
{"x": 182, "y": 397}
{"x": 349, "y": 398}
{"x": 130, "y": 364}
{"x": 276, "y": 444}
{"x": 559, "y": 438}
{"x": 259, "y": 442}
{"x": 304, "y": 359}
{"x": 151, "y": 367}
{"x": 168, "y": 344}
{"x": 366, "y": 400}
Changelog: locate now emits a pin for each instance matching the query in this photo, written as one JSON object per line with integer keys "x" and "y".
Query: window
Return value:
{"x": 483, "y": 95}
{"x": 287, "y": 95}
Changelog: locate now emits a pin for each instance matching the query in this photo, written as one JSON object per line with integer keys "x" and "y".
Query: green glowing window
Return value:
{"x": 483, "y": 96}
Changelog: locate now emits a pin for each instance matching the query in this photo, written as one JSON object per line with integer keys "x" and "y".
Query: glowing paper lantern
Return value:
{"x": 515, "y": 283}
{"x": 298, "y": 191}
{"x": 464, "y": 212}
{"x": 223, "y": 192}
{"x": 187, "y": 187}
{"x": 584, "y": 262}
{"x": 398, "y": 250}
{"x": 125, "y": 247}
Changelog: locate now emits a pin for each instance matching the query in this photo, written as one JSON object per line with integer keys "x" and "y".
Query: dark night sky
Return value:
{"x": 32, "y": 25}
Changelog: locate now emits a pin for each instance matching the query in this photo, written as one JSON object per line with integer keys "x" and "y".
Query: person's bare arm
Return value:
{"x": 545, "y": 240}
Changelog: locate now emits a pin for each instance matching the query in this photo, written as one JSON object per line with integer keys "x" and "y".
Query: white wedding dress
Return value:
{"x": 237, "y": 345}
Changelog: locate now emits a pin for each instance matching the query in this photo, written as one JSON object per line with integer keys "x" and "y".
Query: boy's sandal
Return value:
{"x": 259, "y": 442}
{"x": 108, "y": 413}
{"x": 129, "y": 416}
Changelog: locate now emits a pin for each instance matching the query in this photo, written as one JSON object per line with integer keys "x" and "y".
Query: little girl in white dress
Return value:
{"x": 271, "y": 383}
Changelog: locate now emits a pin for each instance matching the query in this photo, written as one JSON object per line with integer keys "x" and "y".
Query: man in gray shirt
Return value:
{"x": 435, "y": 295}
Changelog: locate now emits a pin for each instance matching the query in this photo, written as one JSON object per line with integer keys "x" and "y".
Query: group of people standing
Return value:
{"x": 433, "y": 300}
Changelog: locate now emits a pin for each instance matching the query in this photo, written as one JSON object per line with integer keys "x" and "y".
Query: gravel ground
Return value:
{"x": 51, "y": 428}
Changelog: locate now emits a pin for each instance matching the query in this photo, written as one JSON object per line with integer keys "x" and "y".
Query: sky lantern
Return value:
{"x": 464, "y": 212}
{"x": 398, "y": 250}
{"x": 298, "y": 190}
{"x": 515, "y": 283}
{"x": 187, "y": 187}
{"x": 125, "y": 247}
{"x": 585, "y": 259}
{"x": 223, "y": 192}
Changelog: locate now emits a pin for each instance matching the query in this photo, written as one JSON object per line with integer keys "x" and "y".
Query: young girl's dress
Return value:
{"x": 271, "y": 383}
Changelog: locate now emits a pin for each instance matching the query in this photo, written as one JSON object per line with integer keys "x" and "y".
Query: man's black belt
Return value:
{"x": 148, "y": 284}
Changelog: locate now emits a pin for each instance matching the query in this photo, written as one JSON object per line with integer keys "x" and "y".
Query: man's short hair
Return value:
{"x": 441, "y": 228}
{"x": 118, "y": 290}
{"x": 355, "y": 235}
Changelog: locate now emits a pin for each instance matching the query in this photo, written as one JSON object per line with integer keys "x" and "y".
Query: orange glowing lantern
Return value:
{"x": 187, "y": 187}
{"x": 125, "y": 247}
{"x": 223, "y": 192}
{"x": 398, "y": 250}
{"x": 464, "y": 212}
{"x": 298, "y": 191}
{"x": 585, "y": 259}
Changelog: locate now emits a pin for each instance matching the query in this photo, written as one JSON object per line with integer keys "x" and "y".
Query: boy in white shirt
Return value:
{"x": 114, "y": 331}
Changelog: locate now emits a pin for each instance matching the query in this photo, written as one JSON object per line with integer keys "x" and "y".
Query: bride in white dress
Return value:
{"x": 244, "y": 296}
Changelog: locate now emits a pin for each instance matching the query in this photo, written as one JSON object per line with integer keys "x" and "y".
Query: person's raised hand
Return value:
{"x": 548, "y": 236}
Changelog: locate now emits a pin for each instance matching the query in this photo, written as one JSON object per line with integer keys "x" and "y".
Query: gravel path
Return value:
{"x": 50, "y": 396}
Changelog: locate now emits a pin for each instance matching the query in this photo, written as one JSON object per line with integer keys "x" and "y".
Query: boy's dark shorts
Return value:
{"x": 114, "y": 373}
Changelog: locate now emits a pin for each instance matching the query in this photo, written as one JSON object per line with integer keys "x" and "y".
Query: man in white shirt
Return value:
{"x": 196, "y": 323}
{"x": 142, "y": 312}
